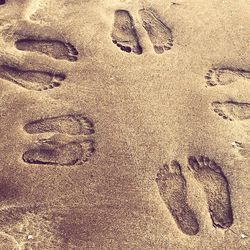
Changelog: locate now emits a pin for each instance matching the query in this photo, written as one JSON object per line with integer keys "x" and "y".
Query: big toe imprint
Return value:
{"x": 216, "y": 187}
{"x": 55, "y": 153}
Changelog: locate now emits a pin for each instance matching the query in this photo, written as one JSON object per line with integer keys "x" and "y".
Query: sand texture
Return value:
{"x": 124, "y": 125}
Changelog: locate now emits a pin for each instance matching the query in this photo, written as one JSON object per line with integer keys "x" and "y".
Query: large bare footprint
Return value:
{"x": 225, "y": 76}
{"x": 32, "y": 79}
{"x": 124, "y": 34}
{"x": 216, "y": 187}
{"x": 55, "y": 153}
{"x": 159, "y": 34}
{"x": 68, "y": 124}
{"x": 173, "y": 191}
{"x": 53, "y": 48}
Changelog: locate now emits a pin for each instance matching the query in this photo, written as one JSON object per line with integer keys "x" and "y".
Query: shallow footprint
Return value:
{"x": 124, "y": 34}
{"x": 32, "y": 79}
{"x": 56, "y": 49}
{"x": 159, "y": 34}
{"x": 68, "y": 124}
{"x": 225, "y": 76}
{"x": 230, "y": 110}
{"x": 173, "y": 191}
{"x": 216, "y": 187}
{"x": 56, "y": 153}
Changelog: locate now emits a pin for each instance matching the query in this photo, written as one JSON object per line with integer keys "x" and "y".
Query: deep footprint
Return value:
{"x": 32, "y": 79}
{"x": 216, "y": 187}
{"x": 67, "y": 124}
{"x": 124, "y": 34}
{"x": 56, "y": 153}
{"x": 53, "y": 48}
{"x": 173, "y": 191}
{"x": 159, "y": 34}
{"x": 225, "y": 76}
{"x": 232, "y": 110}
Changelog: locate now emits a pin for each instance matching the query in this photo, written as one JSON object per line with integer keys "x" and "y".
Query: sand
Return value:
{"x": 124, "y": 124}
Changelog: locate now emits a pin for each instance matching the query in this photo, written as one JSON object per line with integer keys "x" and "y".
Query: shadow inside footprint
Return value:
{"x": 67, "y": 124}
{"x": 173, "y": 191}
{"x": 56, "y": 153}
{"x": 53, "y": 48}
{"x": 216, "y": 187}
{"x": 32, "y": 79}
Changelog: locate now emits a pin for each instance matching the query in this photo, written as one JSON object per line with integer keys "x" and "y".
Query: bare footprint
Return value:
{"x": 230, "y": 110}
{"x": 225, "y": 76}
{"x": 67, "y": 124}
{"x": 53, "y": 48}
{"x": 32, "y": 79}
{"x": 172, "y": 188}
{"x": 216, "y": 187}
{"x": 56, "y": 153}
{"x": 124, "y": 34}
{"x": 159, "y": 34}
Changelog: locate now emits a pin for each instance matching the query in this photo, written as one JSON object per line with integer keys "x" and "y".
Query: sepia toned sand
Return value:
{"x": 125, "y": 124}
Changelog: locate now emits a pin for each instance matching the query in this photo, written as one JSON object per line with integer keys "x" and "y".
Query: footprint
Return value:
{"x": 56, "y": 49}
{"x": 173, "y": 191}
{"x": 159, "y": 34}
{"x": 32, "y": 79}
{"x": 216, "y": 187}
{"x": 225, "y": 76}
{"x": 124, "y": 34}
{"x": 56, "y": 153}
{"x": 67, "y": 124}
{"x": 231, "y": 110}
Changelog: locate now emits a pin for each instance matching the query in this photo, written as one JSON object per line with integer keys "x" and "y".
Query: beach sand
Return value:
{"x": 124, "y": 124}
